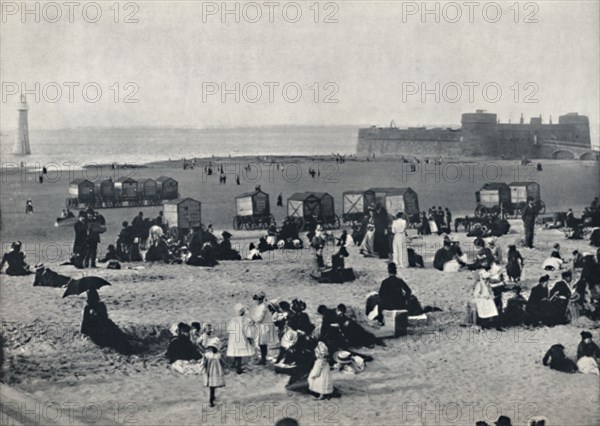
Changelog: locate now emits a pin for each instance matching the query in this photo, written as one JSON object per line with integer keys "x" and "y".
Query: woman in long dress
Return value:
{"x": 400, "y": 254}
{"x": 432, "y": 225}
{"x": 238, "y": 344}
{"x": 483, "y": 297}
{"x": 367, "y": 246}
{"x": 265, "y": 328}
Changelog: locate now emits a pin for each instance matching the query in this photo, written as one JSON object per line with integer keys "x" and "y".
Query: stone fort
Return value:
{"x": 482, "y": 135}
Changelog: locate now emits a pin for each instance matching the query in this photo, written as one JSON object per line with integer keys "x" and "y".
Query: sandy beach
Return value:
{"x": 443, "y": 372}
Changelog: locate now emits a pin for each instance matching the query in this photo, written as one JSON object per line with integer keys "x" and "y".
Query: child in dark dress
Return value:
{"x": 514, "y": 264}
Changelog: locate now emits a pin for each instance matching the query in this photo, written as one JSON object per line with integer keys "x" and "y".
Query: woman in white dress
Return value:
{"x": 400, "y": 255}
{"x": 239, "y": 344}
{"x": 264, "y": 326}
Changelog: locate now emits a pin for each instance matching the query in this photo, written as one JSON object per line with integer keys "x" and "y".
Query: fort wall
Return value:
{"x": 481, "y": 135}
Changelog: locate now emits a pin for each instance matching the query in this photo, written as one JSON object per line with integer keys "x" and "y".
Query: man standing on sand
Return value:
{"x": 448, "y": 219}
{"x": 394, "y": 293}
{"x": 80, "y": 243}
{"x": 529, "y": 214}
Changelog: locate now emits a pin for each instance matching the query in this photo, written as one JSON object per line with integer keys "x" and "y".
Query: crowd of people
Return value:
{"x": 301, "y": 349}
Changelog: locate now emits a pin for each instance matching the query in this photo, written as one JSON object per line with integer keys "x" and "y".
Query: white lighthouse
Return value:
{"x": 22, "y": 143}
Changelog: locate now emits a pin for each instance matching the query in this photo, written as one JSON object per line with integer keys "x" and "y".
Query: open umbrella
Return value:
{"x": 84, "y": 284}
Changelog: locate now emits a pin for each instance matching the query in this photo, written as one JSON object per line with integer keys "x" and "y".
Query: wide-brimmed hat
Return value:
{"x": 239, "y": 308}
{"x": 214, "y": 342}
{"x": 226, "y": 234}
{"x": 259, "y": 295}
{"x": 39, "y": 266}
{"x": 586, "y": 335}
{"x": 342, "y": 357}
{"x": 289, "y": 339}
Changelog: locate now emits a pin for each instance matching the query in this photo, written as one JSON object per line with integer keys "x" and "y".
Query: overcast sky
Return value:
{"x": 370, "y": 56}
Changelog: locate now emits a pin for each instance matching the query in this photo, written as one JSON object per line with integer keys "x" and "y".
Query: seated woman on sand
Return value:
{"x": 16, "y": 261}
{"x": 253, "y": 253}
{"x": 100, "y": 328}
{"x": 514, "y": 314}
{"x": 224, "y": 251}
{"x": 337, "y": 273}
{"x": 556, "y": 359}
{"x": 483, "y": 299}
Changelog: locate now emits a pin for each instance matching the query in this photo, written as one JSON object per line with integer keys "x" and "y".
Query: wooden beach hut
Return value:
{"x": 182, "y": 214}
{"x": 355, "y": 204}
{"x": 126, "y": 188}
{"x": 168, "y": 188}
{"x": 397, "y": 200}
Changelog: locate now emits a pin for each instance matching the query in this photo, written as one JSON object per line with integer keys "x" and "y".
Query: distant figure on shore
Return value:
{"x": 528, "y": 216}
{"x": 280, "y": 200}
{"x": 28, "y": 206}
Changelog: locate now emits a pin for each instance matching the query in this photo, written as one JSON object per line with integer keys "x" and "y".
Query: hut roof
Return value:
{"x": 80, "y": 180}
{"x": 494, "y": 185}
{"x": 125, "y": 179}
{"x": 164, "y": 178}
{"x": 250, "y": 194}
{"x": 522, "y": 183}
{"x": 318, "y": 194}
{"x": 146, "y": 180}
{"x": 180, "y": 200}
{"x": 392, "y": 191}
{"x": 300, "y": 196}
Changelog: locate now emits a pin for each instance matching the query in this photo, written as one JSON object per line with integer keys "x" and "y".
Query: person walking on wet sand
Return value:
{"x": 528, "y": 216}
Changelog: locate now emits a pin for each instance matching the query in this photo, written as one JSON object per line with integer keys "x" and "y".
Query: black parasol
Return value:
{"x": 84, "y": 284}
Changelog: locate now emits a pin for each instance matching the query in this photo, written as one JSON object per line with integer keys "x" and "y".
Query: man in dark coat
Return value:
{"x": 538, "y": 300}
{"x": 181, "y": 347}
{"x": 80, "y": 243}
{"x": 448, "y": 219}
{"x": 330, "y": 332}
{"x": 354, "y": 333}
{"x": 528, "y": 215}
{"x": 92, "y": 239}
{"x": 559, "y": 299}
{"x": 138, "y": 226}
{"x": 381, "y": 222}
{"x": 443, "y": 255}
{"x": 393, "y": 293}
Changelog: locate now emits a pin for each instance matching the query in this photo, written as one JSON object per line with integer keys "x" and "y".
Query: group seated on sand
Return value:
{"x": 305, "y": 351}
{"x": 566, "y": 301}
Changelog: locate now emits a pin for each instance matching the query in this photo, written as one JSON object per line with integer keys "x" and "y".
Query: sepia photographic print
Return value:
{"x": 300, "y": 212}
